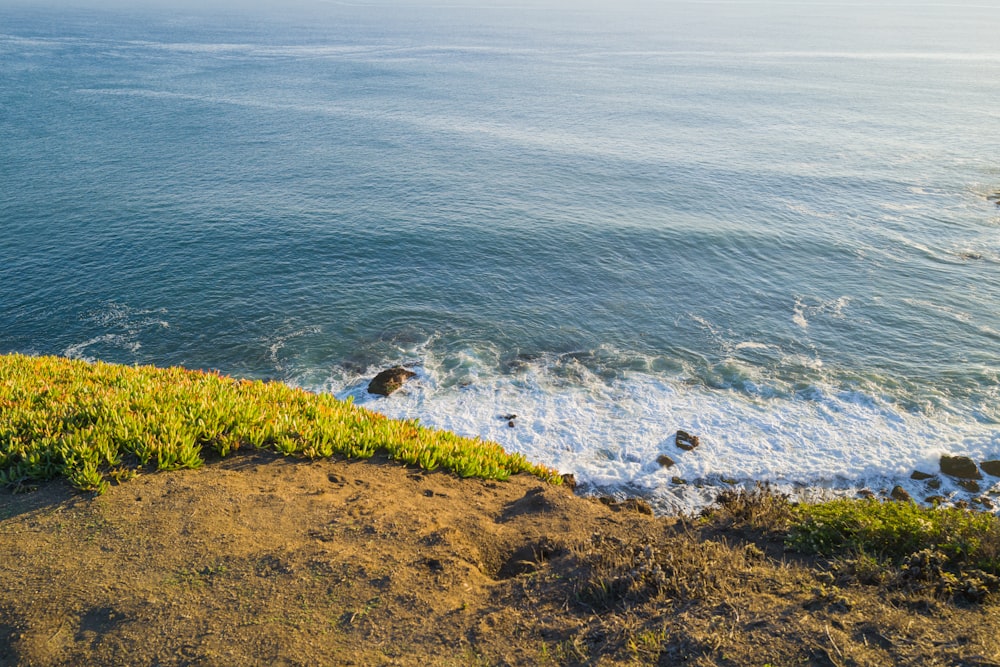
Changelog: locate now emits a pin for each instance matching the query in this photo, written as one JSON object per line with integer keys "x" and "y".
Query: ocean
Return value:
{"x": 773, "y": 225}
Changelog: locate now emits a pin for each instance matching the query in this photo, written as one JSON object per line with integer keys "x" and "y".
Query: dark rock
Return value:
{"x": 900, "y": 494}
{"x": 984, "y": 501}
{"x": 665, "y": 461}
{"x": 866, "y": 493}
{"x": 685, "y": 440}
{"x": 991, "y": 468}
{"x": 934, "y": 500}
{"x": 934, "y": 484}
{"x": 569, "y": 480}
{"x": 961, "y": 467}
{"x": 920, "y": 476}
{"x": 678, "y": 480}
{"x": 969, "y": 485}
{"x": 511, "y": 423}
{"x": 389, "y": 380}
{"x": 509, "y": 417}
{"x": 727, "y": 480}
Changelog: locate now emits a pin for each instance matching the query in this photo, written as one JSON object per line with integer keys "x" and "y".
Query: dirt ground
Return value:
{"x": 262, "y": 560}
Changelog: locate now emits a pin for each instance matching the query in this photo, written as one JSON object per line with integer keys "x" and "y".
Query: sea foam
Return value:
{"x": 609, "y": 433}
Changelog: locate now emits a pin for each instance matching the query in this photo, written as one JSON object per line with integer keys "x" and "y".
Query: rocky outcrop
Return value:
{"x": 991, "y": 468}
{"x": 970, "y": 485}
{"x": 686, "y": 441}
{"x": 920, "y": 476}
{"x": 961, "y": 467}
{"x": 900, "y": 494}
{"x": 389, "y": 380}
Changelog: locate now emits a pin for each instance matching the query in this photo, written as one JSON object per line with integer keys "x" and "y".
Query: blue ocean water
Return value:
{"x": 770, "y": 224}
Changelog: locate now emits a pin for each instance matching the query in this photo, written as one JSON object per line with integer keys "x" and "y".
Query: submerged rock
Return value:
{"x": 961, "y": 467}
{"x": 991, "y": 468}
{"x": 686, "y": 441}
{"x": 665, "y": 461}
{"x": 389, "y": 380}
{"x": 920, "y": 476}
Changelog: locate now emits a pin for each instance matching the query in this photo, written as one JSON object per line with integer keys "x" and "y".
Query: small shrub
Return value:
{"x": 952, "y": 551}
{"x": 618, "y": 572}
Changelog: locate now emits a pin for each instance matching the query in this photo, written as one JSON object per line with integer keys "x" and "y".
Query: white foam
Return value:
{"x": 126, "y": 325}
{"x": 609, "y": 434}
{"x": 807, "y": 307}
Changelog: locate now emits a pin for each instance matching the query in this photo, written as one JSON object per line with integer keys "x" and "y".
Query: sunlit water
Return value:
{"x": 769, "y": 225}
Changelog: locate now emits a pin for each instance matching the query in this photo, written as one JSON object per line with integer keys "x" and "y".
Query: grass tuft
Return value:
{"x": 93, "y": 422}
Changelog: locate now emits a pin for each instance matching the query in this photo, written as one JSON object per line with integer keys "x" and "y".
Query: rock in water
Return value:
{"x": 961, "y": 467}
{"x": 991, "y": 468}
{"x": 900, "y": 494}
{"x": 969, "y": 485}
{"x": 665, "y": 461}
{"x": 389, "y": 380}
{"x": 920, "y": 476}
{"x": 686, "y": 441}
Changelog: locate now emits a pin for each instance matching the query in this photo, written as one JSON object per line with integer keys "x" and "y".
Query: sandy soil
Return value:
{"x": 261, "y": 560}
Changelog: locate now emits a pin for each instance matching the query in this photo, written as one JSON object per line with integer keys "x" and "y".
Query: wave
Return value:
{"x": 610, "y": 431}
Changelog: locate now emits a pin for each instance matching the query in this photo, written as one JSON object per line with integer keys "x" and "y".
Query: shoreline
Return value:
{"x": 272, "y": 554}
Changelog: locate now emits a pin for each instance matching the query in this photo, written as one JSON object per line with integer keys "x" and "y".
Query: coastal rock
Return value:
{"x": 934, "y": 484}
{"x": 969, "y": 485}
{"x": 665, "y": 461}
{"x": 920, "y": 476}
{"x": 866, "y": 493}
{"x": 678, "y": 480}
{"x": 991, "y": 468}
{"x": 961, "y": 467}
{"x": 984, "y": 501}
{"x": 900, "y": 494}
{"x": 685, "y": 440}
{"x": 569, "y": 480}
{"x": 934, "y": 500}
{"x": 389, "y": 380}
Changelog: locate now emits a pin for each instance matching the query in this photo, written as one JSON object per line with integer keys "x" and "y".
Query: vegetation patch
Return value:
{"x": 950, "y": 550}
{"x": 95, "y": 422}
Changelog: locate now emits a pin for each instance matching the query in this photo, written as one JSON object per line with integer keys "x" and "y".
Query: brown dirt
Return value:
{"x": 260, "y": 560}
